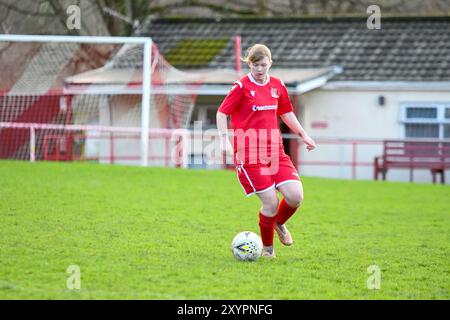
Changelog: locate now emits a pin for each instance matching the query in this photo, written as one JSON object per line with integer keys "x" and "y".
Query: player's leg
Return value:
{"x": 292, "y": 192}
{"x": 253, "y": 182}
{"x": 267, "y": 219}
{"x": 288, "y": 183}
{"x": 269, "y": 201}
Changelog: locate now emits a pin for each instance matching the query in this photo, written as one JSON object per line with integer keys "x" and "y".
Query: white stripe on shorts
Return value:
{"x": 286, "y": 181}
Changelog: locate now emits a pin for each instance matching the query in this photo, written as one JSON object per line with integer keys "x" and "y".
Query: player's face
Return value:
{"x": 259, "y": 69}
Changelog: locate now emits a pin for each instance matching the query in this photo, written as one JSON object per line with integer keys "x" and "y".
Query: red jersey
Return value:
{"x": 254, "y": 110}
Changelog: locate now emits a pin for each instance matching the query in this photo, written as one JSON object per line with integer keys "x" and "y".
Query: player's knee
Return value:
{"x": 294, "y": 200}
{"x": 271, "y": 207}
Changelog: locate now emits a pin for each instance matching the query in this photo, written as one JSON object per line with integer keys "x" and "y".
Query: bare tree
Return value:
{"x": 49, "y": 16}
{"x": 123, "y": 17}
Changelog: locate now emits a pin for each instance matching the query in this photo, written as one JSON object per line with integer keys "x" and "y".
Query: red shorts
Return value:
{"x": 258, "y": 178}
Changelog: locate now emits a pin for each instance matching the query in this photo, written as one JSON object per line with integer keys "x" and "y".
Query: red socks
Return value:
{"x": 284, "y": 212}
{"x": 266, "y": 225}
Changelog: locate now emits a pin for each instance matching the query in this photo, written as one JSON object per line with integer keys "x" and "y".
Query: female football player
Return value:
{"x": 254, "y": 104}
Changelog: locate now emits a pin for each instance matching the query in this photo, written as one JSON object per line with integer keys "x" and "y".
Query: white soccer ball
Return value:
{"x": 247, "y": 246}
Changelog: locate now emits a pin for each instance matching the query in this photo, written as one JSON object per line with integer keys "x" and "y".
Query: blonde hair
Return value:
{"x": 256, "y": 53}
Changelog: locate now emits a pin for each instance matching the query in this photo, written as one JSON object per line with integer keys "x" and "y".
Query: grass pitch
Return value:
{"x": 156, "y": 233}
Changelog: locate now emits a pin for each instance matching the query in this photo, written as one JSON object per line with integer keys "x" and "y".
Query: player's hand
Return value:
{"x": 310, "y": 144}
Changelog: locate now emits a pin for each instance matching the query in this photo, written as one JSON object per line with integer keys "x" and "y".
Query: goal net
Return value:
{"x": 89, "y": 98}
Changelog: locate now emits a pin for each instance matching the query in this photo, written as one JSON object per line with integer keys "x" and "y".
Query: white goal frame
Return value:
{"x": 146, "y": 76}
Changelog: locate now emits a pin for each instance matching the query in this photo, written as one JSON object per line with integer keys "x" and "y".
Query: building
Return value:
{"x": 352, "y": 86}
{"x": 394, "y": 84}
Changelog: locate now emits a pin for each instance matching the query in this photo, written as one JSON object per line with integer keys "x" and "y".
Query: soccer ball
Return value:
{"x": 247, "y": 246}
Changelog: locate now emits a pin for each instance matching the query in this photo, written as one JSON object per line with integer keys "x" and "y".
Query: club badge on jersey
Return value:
{"x": 274, "y": 93}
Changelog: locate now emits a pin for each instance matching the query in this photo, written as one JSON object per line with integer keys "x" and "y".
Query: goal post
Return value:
{"x": 146, "y": 76}
{"x": 146, "y": 87}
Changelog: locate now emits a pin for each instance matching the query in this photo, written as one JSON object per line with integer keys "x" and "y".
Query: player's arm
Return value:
{"x": 228, "y": 106}
{"x": 222, "y": 127}
{"x": 291, "y": 121}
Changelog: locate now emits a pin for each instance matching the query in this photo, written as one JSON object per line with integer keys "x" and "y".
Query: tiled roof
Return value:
{"x": 404, "y": 49}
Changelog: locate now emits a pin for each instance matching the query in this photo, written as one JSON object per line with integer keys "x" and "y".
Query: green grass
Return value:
{"x": 157, "y": 233}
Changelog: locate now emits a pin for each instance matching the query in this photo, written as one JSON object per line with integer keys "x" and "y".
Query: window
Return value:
{"x": 419, "y": 130}
{"x": 447, "y": 113}
{"x": 426, "y": 120}
{"x": 446, "y": 131}
{"x": 206, "y": 114}
{"x": 421, "y": 113}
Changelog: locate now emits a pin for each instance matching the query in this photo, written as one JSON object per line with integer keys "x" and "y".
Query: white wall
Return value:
{"x": 356, "y": 115}
{"x": 349, "y": 114}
